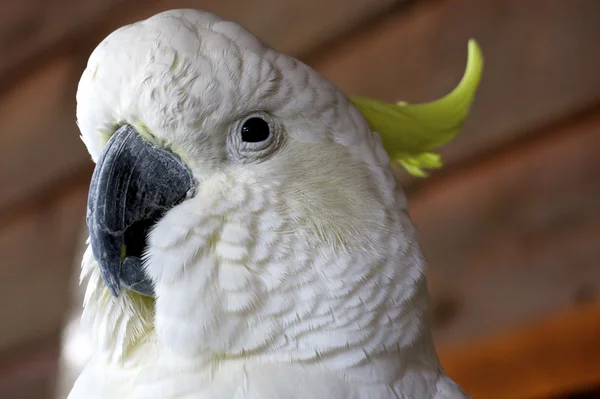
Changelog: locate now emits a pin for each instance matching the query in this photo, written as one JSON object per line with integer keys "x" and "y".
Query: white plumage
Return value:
{"x": 296, "y": 275}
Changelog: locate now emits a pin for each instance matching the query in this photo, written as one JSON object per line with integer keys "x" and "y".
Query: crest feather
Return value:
{"x": 410, "y": 132}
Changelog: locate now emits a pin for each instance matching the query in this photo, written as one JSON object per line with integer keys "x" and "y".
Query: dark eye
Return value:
{"x": 254, "y": 138}
{"x": 255, "y": 130}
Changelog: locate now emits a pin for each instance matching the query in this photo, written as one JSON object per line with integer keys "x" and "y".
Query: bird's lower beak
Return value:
{"x": 133, "y": 185}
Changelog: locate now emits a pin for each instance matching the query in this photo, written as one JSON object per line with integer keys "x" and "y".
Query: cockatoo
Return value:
{"x": 248, "y": 239}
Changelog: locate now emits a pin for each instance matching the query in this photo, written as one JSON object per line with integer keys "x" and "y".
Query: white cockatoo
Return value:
{"x": 248, "y": 239}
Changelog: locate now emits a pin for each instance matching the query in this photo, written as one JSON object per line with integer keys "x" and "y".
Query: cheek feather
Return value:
{"x": 233, "y": 282}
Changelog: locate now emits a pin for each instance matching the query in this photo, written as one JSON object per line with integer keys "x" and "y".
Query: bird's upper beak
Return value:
{"x": 133, "y": 185}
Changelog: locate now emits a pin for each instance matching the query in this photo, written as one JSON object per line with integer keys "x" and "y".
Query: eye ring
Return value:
{"x": 253, "y": 138}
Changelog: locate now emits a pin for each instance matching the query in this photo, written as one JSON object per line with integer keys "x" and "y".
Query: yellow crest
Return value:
{"x": 411, "y": 131}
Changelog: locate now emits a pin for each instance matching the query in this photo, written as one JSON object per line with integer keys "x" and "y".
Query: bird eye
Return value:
{"x": 254, "y": 138}
{"x": 255, "y": 130}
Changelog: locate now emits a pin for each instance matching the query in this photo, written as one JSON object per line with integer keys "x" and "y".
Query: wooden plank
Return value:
{"x": 40, "y": 140}
{"x": 585, "y": 393}
{"x": 30, "y": 26}
{"x": 29, "y": 371}
{"x": 37, "y": 246}
{"x": 513, "y": 238}
{"x": 590, "y": 392}
{"x": 541, "y": 64}
{"x": 553, "y": 356}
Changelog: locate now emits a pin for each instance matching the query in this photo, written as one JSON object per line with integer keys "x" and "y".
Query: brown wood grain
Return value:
{"x": 541, "y": 63}
{"x": 546, "y": 358}
{"x": 514, "y": 237}
{"x": 39, "y": 139}
{"x": 30, "y": 26}
{"x": 29, "y": 371}
{"x": 37, "y": 246}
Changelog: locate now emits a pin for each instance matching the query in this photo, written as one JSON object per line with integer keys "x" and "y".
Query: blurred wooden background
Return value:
{"x": 511, "y": 226}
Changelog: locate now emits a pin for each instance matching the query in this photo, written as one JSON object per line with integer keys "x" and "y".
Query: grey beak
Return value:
{"x": 133, "y": 185}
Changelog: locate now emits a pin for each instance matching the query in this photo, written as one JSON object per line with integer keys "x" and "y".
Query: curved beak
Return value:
{"x": 133, "y": 185}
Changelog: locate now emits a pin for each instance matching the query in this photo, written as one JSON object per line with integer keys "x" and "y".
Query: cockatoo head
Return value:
{"x": 245, "y": 194}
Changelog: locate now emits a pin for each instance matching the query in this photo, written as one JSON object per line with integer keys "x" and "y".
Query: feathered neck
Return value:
{"x": 116, "y": 325}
